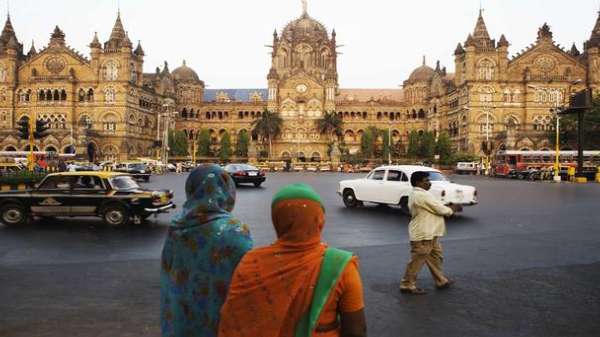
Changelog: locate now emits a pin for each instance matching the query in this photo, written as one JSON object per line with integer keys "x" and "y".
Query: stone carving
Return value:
{"x": 545, "y": 63}
{"x": 55, "y": 64}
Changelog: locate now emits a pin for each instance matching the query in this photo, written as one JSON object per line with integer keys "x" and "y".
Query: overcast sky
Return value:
{"x": 224, "y": 40}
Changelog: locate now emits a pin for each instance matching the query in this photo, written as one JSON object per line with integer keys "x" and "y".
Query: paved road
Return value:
{"x": 526, "y": 261}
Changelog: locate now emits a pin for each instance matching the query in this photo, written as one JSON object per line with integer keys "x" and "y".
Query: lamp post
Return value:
{"x": 390, "y": 142}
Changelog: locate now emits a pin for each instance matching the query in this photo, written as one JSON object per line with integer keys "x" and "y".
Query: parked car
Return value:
{"x": 466, "y": 167}
{"x": 114, "y": 197}
{"x": 136, "y": 170}
{"x": 390, "y": 185}
{"x": 245, "y": 174}
{"x": 83, "y": 166}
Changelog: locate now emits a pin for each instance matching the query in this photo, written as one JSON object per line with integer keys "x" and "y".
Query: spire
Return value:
{"x": 437, "y": 66}
{"x": 459, "y": 50}
{"x": 424, "y": 60}
{"x": 12, "y": 43}
{"x": 503, "y": 41}
{"x": 480, "y": 31}
{"x": 118, "y": 33}
{"x": 470, "y": 41}
{"x": 8, "y": 30}
{"x": 574, "y": 51}
{"x": 57, "y": 38}
{"x": 138, "y": 50}
{"x": 304, "y": 7}
{"x": 32, "y": 50}
{"x": 165, "y": 70}
{"x": 95, "y": 42}
{"x": 594, "y": 40}
{"x": 127, "y": 41}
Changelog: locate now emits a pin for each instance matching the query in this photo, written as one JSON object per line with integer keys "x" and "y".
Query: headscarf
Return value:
{"x": 273, "y": 286}
{"x": 203, "y": 246}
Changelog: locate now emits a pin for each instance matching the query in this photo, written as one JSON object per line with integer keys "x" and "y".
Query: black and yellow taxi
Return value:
{"x": 114, "y": 197}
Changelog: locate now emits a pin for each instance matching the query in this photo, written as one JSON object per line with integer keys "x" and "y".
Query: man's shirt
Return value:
{"x": 427, "y": 215}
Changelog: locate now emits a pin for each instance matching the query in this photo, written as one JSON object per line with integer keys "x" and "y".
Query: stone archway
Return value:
{"x": 315, "y": 157}
{"x": 301, "y": 157}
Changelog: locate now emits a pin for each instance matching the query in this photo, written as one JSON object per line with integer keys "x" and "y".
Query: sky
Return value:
{"x": 224, "y": 40}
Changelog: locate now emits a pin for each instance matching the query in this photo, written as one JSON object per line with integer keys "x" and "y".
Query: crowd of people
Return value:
{"x": 215, "y": 283}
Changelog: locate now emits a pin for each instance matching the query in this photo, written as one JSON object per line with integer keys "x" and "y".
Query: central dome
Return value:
{"x": 185, "y": 74}
{"x": 305, "y": 28}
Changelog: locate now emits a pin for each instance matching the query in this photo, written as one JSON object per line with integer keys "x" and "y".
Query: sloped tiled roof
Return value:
{"x": 365, "y": 95}
{"x": 235, "y": 95}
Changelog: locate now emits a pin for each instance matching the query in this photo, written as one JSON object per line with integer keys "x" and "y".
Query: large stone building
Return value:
{"x": 106, "y": 106}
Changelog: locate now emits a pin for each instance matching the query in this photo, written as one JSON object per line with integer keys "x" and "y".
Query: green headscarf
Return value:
{"x": 297, "y": 191}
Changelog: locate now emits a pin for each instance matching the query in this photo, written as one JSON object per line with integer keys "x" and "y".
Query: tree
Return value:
{"x": 413, "y": 144}
{"x": 268, "y": 126}
{"x": 178, "y": 143}
{"x": 568, "y": 128}
{"x": 331, "y": 125}
{"x": 204, "y": 143}
{"x": 367, "y": 142}
{"x": 386, "y": 144}
{"x": 225, "y": 149}
{"x": 426, "y": 145}
{"x": 241, "y": 147}
{"x": 443, "y": 148}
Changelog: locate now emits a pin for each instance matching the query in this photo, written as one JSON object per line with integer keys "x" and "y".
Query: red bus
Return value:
{"x": 506, "y": 161}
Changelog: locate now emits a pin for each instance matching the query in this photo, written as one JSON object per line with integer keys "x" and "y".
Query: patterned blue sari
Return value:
{"x": 204, "y": 245}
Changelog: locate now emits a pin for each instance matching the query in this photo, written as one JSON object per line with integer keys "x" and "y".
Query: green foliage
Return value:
{"x": 367, "y": 142}
{"x": 386, "y": 144}
{"x": 225, "y": 149}
{"x": 463, "y": 157}
{"x": 443, "y": 148}
{"x": 331, "y": 124}
{"x": 267, "y": 127}
{"x": 568, "y": 128}
{"x": 413, "y": 144}
{"x": 427, "y": 145}
{"x": 178, "y": 143}
{"x": 241, "y": 147}
{"x": 204, "y": 143}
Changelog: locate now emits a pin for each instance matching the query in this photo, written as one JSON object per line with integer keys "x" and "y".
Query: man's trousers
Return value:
{"x": 429, "y": 252}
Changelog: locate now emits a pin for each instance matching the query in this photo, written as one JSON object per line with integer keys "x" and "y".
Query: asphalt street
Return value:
{"x": 526, "y": 261}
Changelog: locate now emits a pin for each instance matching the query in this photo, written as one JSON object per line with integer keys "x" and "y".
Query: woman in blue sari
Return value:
{"x": 203, "y": 246}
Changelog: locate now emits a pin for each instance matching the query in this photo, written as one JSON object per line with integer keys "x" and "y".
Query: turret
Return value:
{"x": 57, "y": 39}
{"x": 32, "y": 51}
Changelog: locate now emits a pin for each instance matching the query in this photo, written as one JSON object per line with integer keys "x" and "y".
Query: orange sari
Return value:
{"x": 273, "y": 286}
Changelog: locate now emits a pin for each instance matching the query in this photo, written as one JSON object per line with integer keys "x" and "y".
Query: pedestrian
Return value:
{"x": 62, "y": 167}
{"x": 297, "y": 286}
{"x": 425, "y": 229}
{"x": 178, "y": 168}
{"x": 204, "y": 244}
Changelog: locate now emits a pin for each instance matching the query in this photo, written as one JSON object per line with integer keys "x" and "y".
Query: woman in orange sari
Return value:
{"x": 297, "y": 286}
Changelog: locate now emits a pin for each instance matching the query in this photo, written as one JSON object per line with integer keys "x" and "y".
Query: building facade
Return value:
{"x": 106, "y": 107}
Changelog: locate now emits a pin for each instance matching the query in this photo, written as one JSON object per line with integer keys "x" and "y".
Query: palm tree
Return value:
{"x": 267, "y": 126}
{"x": 331, "y": 124}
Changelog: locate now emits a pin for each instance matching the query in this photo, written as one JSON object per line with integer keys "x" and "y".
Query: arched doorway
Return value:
{"x": 26, "y": 148}
{"x": 69, "y": 149}
{"x": 50, "y": 148}
{"x": 315, "y": 157}
{"x": 285, "y": 156}
{"x": 301, "y": 157}
{"x": 92, "y": 150}
{"x": 10, "y": 148}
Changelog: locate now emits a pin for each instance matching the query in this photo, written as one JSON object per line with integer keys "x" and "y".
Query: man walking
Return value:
{"x": 425, "y": 228}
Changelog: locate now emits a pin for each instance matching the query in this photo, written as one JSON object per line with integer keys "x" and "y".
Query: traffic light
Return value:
{"x": 23, "y": 128}
{"x": 41, "y": 128}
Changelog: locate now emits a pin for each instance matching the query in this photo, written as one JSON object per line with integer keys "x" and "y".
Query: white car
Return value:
{"x": 390, "y": 185}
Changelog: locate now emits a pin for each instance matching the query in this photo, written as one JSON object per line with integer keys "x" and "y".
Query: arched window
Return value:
{"x": 486, "y": 124}
{"x": 133, "y": 73}
{"x": 90, "y": 95}
{"x": 56, "y": 95}
{"x": 110, "y": 71}
{"x": 63, "y": 95}
{"x": 485, "y": 70}
{"x": 48, "y": 95}
{"x": 41, "y": 95}
{"x": 109, "y": 95}
{"x": 81, "y": 95}
{"x": 507, "y": 96}
{"x": 109, "y": 123}
{"x": 421, "y": 114}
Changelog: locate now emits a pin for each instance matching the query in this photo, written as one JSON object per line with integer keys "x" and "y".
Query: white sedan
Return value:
{"x": 390, "y": 185}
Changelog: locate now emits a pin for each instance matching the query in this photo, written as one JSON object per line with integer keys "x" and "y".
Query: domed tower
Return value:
{"x": 189, "y": 88}
{"x": 304, "y": 63}
{"x": 416, "y": 90}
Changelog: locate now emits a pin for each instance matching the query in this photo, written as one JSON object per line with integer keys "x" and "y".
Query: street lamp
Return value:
{"x": 557, "y": 151}
{"x": 390, "y": 142}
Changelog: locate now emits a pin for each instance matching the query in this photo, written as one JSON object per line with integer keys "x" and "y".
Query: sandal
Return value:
{"x": 413, "y": 291}
{"x": 446, "y": 285}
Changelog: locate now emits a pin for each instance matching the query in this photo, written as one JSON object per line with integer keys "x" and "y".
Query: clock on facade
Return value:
{"x": 301, "y": 88}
